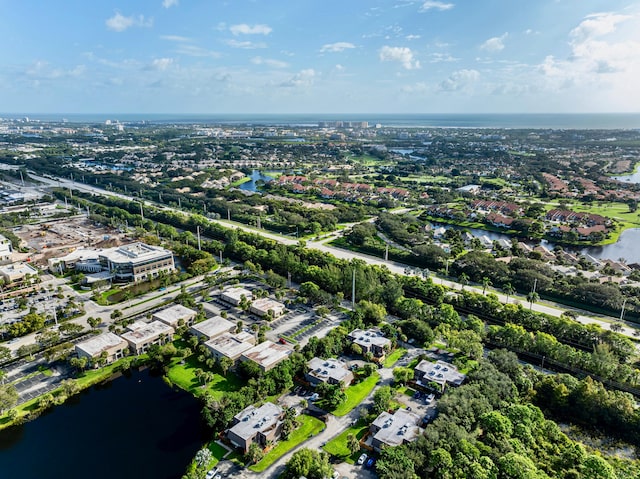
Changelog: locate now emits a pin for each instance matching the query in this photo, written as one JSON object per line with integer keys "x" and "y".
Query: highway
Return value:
{"x": 550, "y": 308}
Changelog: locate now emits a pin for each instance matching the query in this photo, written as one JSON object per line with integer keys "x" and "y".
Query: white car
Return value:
{"x": 212, "y": 473}
{"x": 361, "y": 459}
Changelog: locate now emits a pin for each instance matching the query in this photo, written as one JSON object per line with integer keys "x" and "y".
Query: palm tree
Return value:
{"x": 464, "y": 280}
{"x": 486, "y": 282}
{"x": 532, "y": 297}
{"x": 508, "y": 290}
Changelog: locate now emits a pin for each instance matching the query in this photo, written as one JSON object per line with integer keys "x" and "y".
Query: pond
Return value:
{"x": 255, "y": 176}
{"x": 630, "y": 178}
{"x": 131, "y": 427}
{"x": 627, "y": 246}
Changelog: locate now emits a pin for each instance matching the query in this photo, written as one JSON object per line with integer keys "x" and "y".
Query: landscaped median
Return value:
{"x": 309, "y": 426}
{"x": 356, "y": 394}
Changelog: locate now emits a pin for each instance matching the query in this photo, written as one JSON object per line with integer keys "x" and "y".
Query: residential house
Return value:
{"x": 440, "y": 372}
{"x": 330, "y": 371}
{"x": 260, "y": 425}
{"x": 390, "y": 430}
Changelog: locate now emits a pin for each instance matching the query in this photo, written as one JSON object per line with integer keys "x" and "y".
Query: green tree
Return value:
{"x": 225, "y": 364}
{"x": 5, "y": 354}
{"x": 308, "y": 463}
{"x": 203, "y": 458}
{"x": 486, "y": 282}
{"x": 254, "y": 454}
{"x": 8, "y": 397}
{"x": 402, "y": 375}
{"x": 352, "y": 443}
{"x": 93, "y": 322}
{"x": 382, "y": 399}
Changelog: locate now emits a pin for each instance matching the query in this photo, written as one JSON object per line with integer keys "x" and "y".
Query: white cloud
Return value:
{"x": 460, "y": 80}
{"x": 442, "y": 58}
{"x": 494, "y": 44}
{"x": 42, "y": 70}
{"x": 412, "y": 37}
{"x": 175, "y": 38}
{"x": 435, "y": 5}
{"x": 403, "y": 55}
{"x": 269, "y": 62}
{"x": 246, "y": 45}
{"x": 336, "y": 47}
{"x": 170, "y": 3}
{"x": 161, "y": 63}
{"x": 119, "y": 23}
{"x": 597, "y": 25}
{"x": 303, "y": 78}
{"x": 416, "y": 88}
{"x": 244, "y": 29}
{"x": 195, "y": 51}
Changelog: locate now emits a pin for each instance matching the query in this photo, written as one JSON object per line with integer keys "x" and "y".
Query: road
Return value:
{"x": 334, "y": 427}
{"x": 553, "y": 309}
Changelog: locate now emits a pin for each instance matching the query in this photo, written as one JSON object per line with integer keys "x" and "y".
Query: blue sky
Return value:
{"x": 329, "y": 56}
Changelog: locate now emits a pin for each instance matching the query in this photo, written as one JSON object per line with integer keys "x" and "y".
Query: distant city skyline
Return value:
{"x": 353, "y": 56}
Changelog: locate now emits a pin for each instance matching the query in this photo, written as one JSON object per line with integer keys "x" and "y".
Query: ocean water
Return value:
{"x": 497, "y": 120}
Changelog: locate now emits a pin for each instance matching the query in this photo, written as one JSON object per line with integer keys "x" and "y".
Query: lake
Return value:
{"x": 131, "y": 427}
{"x": 627, "y": 246}
{"x": 252, "y": 185}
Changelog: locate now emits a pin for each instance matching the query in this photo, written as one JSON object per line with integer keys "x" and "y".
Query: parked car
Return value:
{"x": 430, "y": 398}
{"x": 361, "y": 459}
{"x": 417, "y": 395}
{"x": 370, "y": 462}
{"x": 211, "y": 473}
{"x": 314, "y": 397}
{"x": 408, "y": 408}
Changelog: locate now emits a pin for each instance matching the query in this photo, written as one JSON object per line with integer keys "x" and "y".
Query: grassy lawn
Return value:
{"x": 407, "y": 391}
{"x": 183, "y": 375}
{"x": 338, "y": 446}
{"x": 393, "y": 357}
{"x": 217, "y": 451}
{"x": 236, "y": 183}
{"x": 309, "y": 426}
{"x": 356, "y": 393}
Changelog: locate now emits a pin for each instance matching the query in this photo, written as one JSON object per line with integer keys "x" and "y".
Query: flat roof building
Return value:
{"x": 111, "y": 344}
{"x": 331, "y": 371}
{"x": 266, "y": 355}
{"x": 230, "y": 345}
{"x": 13, "y": 273}
{"x": 132, "y": 262}
{"x": 211, "y": 328}
{"x": 262, "y": 306}
{"x": 439, "y": 372}
{"x": 174, "y": 314}
{"x": 234, "y": 295}
{"x": 142, "y": 335}
{"x": 5, "y": 248}
{"x": 256, "y": 424}
{"x": 395, "y": 429}
{"x": 370, "y": 340}
{"x": 136, "y": 261}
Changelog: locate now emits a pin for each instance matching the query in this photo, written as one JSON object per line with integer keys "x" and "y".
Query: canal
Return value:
{"x": 131, "y": 427}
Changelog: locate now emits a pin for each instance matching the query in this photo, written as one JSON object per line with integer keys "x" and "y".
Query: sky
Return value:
{"x": 329, "y": 56}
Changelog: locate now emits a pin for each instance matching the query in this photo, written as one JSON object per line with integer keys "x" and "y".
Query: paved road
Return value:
{"x": 398, "y": 268}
